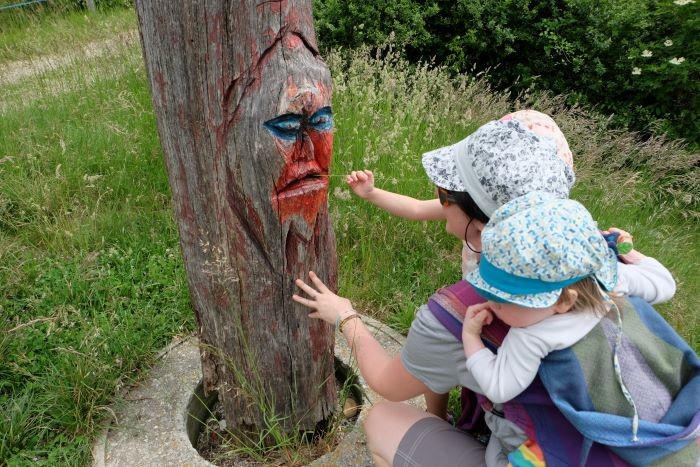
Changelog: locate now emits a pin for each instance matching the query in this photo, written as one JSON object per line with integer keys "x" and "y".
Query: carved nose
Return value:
{"x": 304, "y": 148}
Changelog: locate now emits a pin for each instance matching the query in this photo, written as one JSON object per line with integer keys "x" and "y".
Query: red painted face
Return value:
{"x": 304, "y": 138}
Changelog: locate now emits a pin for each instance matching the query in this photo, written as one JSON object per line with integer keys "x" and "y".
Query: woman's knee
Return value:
{"x": 386, "y": 424}
{"x": 373, "y": 422}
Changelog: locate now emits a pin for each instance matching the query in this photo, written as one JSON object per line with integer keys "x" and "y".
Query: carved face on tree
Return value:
{"x": 303, "y": 135}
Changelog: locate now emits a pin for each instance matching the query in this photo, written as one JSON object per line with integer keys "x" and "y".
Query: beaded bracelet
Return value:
{"x": 346, "y": 319}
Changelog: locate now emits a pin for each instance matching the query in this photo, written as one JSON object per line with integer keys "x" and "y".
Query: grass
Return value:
{"x": 92, "y": 280}
{"x": 30, "y": 33}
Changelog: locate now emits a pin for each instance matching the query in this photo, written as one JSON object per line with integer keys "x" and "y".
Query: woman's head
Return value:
{"x": 464, "y": 218}
{"x": 537, "y": 248}
{"x": 503, "y": 160}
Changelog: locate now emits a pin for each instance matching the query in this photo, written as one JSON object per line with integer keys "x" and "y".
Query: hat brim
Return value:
{"x": 606, "y": 277}
{"x": 607, "y": 274}
{"x": 441, "y": 168}
{"x": 538, "y": 300}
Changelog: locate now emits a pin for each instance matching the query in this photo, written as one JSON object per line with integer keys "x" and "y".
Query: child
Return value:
{"x": 540, "y": 263}
{"x": 543, "y": 269}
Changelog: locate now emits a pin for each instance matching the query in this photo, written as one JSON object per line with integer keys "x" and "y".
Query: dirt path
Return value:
{"x": 14, "y": 72}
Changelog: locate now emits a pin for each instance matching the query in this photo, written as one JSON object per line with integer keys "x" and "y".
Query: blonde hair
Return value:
{"x": 590, "y": 297}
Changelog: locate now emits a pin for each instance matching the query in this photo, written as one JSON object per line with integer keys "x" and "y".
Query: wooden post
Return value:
{"x": 90, "y": 5}
{"x": 242, "y": 100}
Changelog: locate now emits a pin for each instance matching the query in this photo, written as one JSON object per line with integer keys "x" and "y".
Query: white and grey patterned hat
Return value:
{"x": 536, "y": 245}
{"x": 500, "y": 161}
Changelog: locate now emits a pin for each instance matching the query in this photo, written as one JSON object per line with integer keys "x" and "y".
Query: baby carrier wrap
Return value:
{"x": 574, "y": 412}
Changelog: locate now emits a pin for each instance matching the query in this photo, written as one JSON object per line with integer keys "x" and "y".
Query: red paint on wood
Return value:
{"x": 302, "y": 187}
{"x": 222, "y": 299}
{"x": 276, "y": 6}
{"x": 293, "y": 19}
{"x": 162, "y": 85}
{"x": 319, "y": 340}
{"x": 291, "y": 41}
{"x": 279, "y": 364}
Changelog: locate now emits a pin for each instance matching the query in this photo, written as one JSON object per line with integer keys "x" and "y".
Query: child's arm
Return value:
{"x": 501, "y": 376}
{"x": 643, "y": 276}
{"x": 362, "y": 184}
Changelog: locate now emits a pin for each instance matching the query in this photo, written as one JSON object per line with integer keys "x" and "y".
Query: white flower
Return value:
{"x": 636, "y": 71}
{"x": 683, "y": 2}
{"x": 647, "y": 53}
{"x": 668, "y": 42}
{"x": 676, "y": 60}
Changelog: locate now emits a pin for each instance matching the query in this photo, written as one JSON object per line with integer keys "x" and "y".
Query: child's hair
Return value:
{"x": 467, "y": 204}
{"x": 590, "y": 297}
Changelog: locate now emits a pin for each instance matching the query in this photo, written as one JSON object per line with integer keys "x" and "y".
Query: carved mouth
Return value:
{"x": 301, "y": 180}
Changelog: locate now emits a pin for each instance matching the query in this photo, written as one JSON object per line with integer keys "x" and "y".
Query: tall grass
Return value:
{"x": 91, "y": 277}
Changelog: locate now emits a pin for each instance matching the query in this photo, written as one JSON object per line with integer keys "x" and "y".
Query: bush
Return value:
{"x": 586, "y": 49}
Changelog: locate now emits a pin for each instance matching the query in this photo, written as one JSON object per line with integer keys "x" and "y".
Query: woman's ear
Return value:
{"x": 566, "y": 301}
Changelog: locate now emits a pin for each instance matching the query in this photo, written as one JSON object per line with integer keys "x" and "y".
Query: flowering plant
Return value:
{"x": 665, "y": 68}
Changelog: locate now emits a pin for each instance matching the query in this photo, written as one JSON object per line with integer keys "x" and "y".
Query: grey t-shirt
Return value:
{"x": 435, "y": 357}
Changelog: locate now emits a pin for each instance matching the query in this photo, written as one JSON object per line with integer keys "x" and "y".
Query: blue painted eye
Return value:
{"x": 288, "y": 126}
{"x": 322, "y": 120}
{"x": 285, "y": 126}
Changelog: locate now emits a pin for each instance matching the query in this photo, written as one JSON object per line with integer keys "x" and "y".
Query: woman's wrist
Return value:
{"x": 344, "y": 314}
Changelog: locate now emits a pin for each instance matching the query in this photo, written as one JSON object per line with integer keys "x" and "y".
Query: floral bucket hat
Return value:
{"x": 500, "y": 161}
{"x": 536, "y": 245}
{"x": 545, "y": 126}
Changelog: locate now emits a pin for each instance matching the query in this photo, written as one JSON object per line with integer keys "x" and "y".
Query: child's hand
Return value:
{"x": 327, "y": 306}
{"x": 361, "y": 182}
{"x": 632, "y": 257}
{"x": 476, "y": 317}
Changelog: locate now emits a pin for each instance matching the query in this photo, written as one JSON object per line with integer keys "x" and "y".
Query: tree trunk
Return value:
{"x": 242, "y": 100}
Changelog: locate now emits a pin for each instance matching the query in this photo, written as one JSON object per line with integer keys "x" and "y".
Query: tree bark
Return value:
{"x": 242, "y": 101}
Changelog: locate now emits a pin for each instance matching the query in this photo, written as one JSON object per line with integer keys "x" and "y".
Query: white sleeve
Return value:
{"x": 648, "y": 279}
{"x": 509, "y": 372}
{"x": 504, "y": 375}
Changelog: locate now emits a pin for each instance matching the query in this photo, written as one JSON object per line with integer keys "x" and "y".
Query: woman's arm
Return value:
{"x": 362, "y": 184}
{"x": 386, "y": 375}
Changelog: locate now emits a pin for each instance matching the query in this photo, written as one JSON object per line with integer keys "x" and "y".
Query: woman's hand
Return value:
{"x": 361, "y": 182}
{"x": 327, "y": 306}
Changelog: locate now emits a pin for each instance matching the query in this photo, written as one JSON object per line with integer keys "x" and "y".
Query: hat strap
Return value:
{"x": 517, "y": 285}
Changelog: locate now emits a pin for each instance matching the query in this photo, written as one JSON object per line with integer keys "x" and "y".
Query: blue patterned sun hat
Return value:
{"x": 500, "y": 161}
{"x": 536, "y": 245}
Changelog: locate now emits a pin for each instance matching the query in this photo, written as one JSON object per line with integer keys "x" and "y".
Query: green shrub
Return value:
{"x": 585, "y": 49}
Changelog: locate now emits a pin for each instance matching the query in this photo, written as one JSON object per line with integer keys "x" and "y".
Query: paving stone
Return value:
{"x": 150, "y": 427}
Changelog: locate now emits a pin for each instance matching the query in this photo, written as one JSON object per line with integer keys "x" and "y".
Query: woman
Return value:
{"x": 499, "y": 162}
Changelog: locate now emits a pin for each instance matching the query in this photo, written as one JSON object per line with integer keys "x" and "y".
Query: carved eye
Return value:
{"x": 322, "y": 120}
{"x": 285, "y": 126}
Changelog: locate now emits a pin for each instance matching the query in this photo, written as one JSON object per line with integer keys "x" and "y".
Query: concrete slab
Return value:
{"x": 149, "y": 428}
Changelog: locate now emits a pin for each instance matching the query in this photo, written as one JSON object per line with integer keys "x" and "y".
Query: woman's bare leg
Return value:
{"x": 385, "y": 426}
